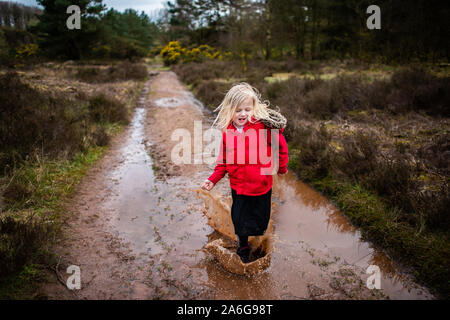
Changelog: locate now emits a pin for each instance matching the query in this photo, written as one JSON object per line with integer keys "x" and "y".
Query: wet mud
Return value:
{"x": 164, "y": 238}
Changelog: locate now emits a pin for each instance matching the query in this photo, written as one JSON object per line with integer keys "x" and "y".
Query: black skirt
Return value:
{"x": 250, "y": 214}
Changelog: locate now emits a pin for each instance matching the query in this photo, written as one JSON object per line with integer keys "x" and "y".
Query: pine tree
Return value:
{"x": 60, "y": 42}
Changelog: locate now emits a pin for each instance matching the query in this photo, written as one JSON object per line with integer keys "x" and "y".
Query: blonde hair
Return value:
{"x": 234, "y": 97}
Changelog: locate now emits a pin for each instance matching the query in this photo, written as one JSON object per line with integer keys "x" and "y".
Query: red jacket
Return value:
{"x": 246, "y": 175}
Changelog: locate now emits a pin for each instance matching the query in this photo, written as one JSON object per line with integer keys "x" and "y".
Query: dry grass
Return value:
{"x": 118, "y": 72}
{"x": 50, "y": 123}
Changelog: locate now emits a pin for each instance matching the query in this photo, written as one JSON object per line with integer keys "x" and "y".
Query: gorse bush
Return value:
{"x": 26, "y": 50}
{"x": 174, "y": 53}
{"x": 17, "y": 46}
{"x": 171, "y": 53}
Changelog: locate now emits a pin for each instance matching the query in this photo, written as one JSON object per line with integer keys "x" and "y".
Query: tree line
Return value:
{"x": 312, "y": 29}
{"x": 17, "y": 15}
{"x": 265, "y": 29}
{"x": 103, "y": 33}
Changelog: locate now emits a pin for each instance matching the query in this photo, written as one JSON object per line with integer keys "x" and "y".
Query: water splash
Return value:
{"x": 218, "y": 213}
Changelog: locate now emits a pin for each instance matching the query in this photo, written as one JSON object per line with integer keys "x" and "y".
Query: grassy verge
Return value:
{"x": 35, "y": 220}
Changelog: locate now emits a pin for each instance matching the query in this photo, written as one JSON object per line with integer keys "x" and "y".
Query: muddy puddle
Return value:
{"x": 315, "y": 253}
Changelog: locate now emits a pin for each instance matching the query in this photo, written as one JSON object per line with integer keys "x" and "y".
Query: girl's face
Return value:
{"x": 243, "y": 112}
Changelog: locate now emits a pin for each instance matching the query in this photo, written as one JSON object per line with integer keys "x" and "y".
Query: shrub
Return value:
{"x": 120, "y": 72}
{"x": 394, "y": 179}
{"x": 4, "y": 48}
{"x": 100, "y": 137}
{"x": 431, "y": 208}
{"x": 173, "y": 53}
{"x": 314, "y": 156}
{"x": 358, "y": 155}
{"x": 26, "y": 50}
{"x": 436, "y": 153}
{"x": 20, "y": 240}
{"x": 102, "y": 51}
{"x": 155, "y": 51}
{"x": 103, "y": 109}
{"x": 412, "y": 89}
{"x": 211, "y": 93}
{"x": 51, "y": 125}
{"x": 31, "y": 120}
{"x": 90, "y": 74}
{"x": 127, "y": 71}
{"x": 408, "y": 90}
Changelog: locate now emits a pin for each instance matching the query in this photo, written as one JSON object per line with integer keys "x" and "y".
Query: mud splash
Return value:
{"x": 225, "y": 254}
{"x": 219, "y": 218}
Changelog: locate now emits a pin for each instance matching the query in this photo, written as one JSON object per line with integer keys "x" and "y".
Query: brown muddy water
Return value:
{"x": 315, "y": 252}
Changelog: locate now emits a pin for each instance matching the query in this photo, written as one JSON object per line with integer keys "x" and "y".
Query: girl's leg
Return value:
{"x": 243, "y": 241}
{"x": 243, "y": 250}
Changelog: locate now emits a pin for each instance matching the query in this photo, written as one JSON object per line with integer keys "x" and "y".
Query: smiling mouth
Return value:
{"x": 242, "y": 119}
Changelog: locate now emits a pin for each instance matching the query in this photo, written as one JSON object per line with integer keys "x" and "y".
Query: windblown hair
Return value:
{"x": 261, "y": 111}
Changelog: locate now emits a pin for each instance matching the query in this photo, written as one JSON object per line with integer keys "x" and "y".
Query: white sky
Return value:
{"x": 148, "y": 6}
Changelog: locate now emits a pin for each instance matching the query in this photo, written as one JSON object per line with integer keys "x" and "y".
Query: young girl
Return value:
{"x": 251, "y": 187}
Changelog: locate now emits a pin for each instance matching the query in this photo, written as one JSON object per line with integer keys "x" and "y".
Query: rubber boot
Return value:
{"x": 244, "y": 253}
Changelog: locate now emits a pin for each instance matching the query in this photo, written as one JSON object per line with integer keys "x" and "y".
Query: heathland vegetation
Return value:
{"x": 367, "y": 109}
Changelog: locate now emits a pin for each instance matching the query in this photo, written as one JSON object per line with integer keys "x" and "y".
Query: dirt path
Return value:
{"x": 137, "y": 228}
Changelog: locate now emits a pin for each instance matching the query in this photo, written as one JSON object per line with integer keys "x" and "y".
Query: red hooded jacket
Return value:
{"x": 250, "y": 175}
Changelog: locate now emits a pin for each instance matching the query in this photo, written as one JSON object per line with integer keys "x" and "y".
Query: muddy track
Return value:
{"x": 138, "y": 225}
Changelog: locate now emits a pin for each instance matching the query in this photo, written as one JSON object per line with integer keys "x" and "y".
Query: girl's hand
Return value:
{"x": 207, "y": 185}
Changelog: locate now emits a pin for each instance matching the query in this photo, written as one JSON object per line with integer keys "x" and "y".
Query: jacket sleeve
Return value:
{"x": 220, "y": 169}
{"x": 283, "y": 153}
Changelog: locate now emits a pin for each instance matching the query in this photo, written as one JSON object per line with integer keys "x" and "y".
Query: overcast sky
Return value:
{"x": 148, "y": 6}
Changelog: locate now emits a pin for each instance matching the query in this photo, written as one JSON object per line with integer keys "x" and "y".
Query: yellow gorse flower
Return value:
{"x": 173, "y": 53}
{"x": 26, "y": 50}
